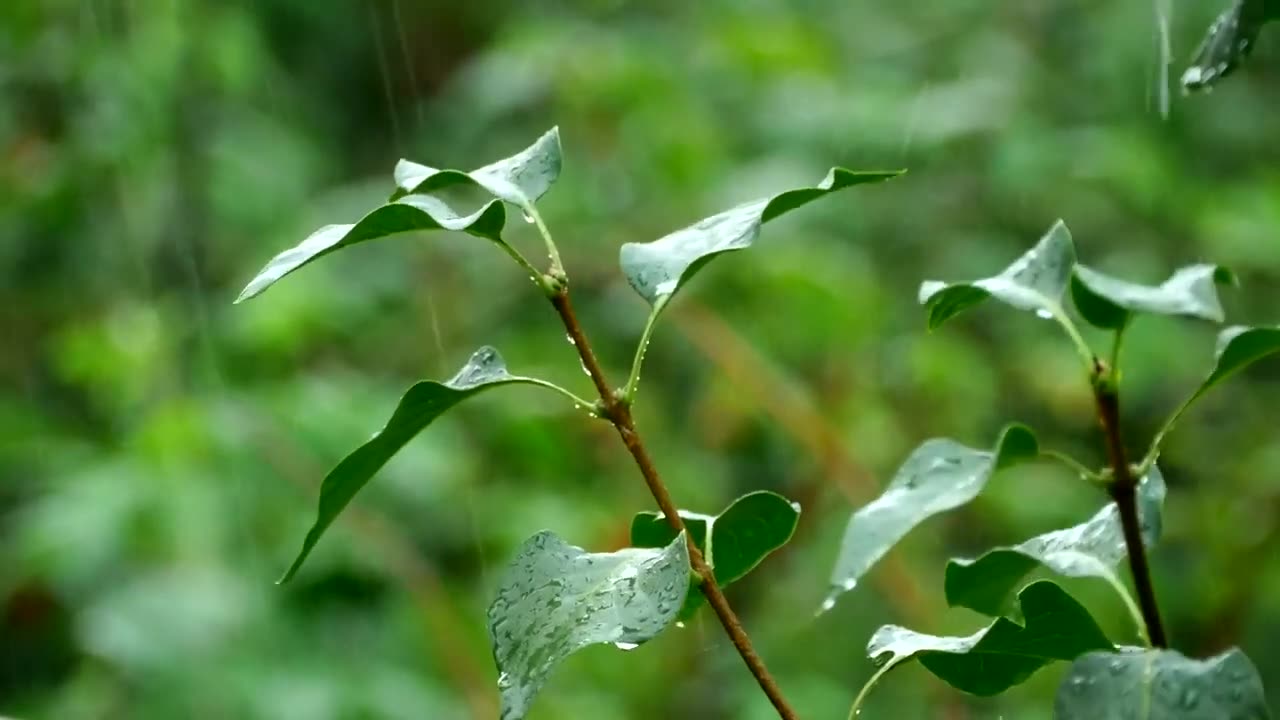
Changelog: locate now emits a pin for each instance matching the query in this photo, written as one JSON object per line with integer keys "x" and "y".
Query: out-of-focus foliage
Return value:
{"x": 162, "y": 451}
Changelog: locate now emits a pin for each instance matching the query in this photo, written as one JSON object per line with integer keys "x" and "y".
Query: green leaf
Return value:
{"x": 1238, "y": 347}
{"x": 752, "y": 527}
{"x": 556, "y": 599}
{"x": 1036, "y": 281}
{"x": 939, "y": 475}
{"x": 660, "y": 268}
{"x": 1228, "y": 42}
{"x": 417, "y": 212}
{"x": 519, "y": 180}
{"x": 1003, "y": 654}
{"x": 1161, "y": 685}
{"x": 1107, "y": 302}
{"x": 1090, "y": 549}
{"x": 420, "y": 406}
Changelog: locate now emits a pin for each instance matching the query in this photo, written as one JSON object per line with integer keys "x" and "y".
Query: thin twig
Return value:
{"x": 618, "y": 412}
{"x": 1124, "y": 492}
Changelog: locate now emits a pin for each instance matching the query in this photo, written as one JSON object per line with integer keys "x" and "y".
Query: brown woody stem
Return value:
{"x": 617, "y": 411}
{"x": 1124, "y": 492}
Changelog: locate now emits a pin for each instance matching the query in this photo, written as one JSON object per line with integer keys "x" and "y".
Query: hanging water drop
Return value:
{"x": 1044, "y": 314}
{"x": 528, "y": 216}
{"x": 569, "y": 337}
{"x": 680, "y": 624}
{"x": 626, "y": 646}
{"x": 582, "y": 364}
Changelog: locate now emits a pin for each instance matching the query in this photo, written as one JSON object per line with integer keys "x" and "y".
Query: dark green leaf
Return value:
{"x": 939, "y": 475}
{"x": 556, "y": 599}
{"x": 1161, "y": 685}
{"x": 1108, "y": 302}
{"x": 658, "y": 269}
{"x": 417, "y": 212}
{"x": 1229, "y": 42}
{"x": 1090, "y": 549}
{"x": 753, "y": 526}
{"x": 422, "y": 404}
{"x": 1238, "y": 347}
{"x": 1003, "y": 654}
{"x": 520, "y": 179}
{"x": 1036, "y": 281}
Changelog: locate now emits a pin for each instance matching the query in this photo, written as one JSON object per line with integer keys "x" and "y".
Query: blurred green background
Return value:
{"x": 161, "y": 450}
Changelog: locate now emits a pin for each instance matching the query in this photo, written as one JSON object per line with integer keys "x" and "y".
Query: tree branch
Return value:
{"x": 617, "y": 411}
{"x": 1124, "y": 492}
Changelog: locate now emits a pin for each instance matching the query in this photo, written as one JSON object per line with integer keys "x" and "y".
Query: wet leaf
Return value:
{"x": 1108, "y": 302}
{"x": 1036, "y": 281}
{"x": 1228, "y": 43}
{"x": 420, "y": 406}
{"x": 1003, "y": 654}
{"x": 939, "y": 475}
{"x": 1238, "y": 347}
{"x": 416, "y": 212}
{"x": 556, "y": 599}
{"x": 752, "y": 527}
{"x": 1161, "y": 685}
{"x": 519, "y": 180}
{"x": 1090, "y": 549}
{"x": 660, "y": 268}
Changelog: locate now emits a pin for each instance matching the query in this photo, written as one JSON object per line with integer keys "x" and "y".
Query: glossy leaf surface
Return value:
{"x": 939, "y": 475}
{"x": 556, "y": 599}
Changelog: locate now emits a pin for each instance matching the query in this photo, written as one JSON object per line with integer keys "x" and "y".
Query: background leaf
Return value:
{"x": 420, "y": 406}
{"x": 556, "y": 599}
{"x": 1161, "y": 685}
{"x": 1035, "y": 281}
{"x": 1107, "y": 302}
{"x": 1003, "y": 654}
{"x": 419, "y": 212}
{"x": 939, "y": 475}
{"x": 752, "y": 527}
{"x": 520, "y": 179}
{"x": 1228, "y": 42}
{"x": 658, "y": 269}
{"x": 1090, "y": 549}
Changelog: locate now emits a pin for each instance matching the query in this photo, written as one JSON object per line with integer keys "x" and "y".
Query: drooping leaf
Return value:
{"x": 556, "y": 599}
{"x": 752, "y": 527}
{"x": 519, "y": 180}
{"x": 1036, "y": 281}
{"x": 1228, "y": 42}
{"x": 660, "y": 268}
{"x": 1090, "y": 549}
{"x": 1003, "y": 654}
{"x": 1161, "y": 685}
{"x": 420, "y": 406}
{"x": 939, "y": 475}
{"x": 1107, "y": 302}
{"x": 417, "y": 212}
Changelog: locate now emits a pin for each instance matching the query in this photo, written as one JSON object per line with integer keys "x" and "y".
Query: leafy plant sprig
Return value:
{"x": 1105, "y": 682}
{"x": 555, "y": 598}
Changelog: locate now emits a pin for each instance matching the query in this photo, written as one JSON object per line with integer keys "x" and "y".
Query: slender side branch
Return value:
{"x": 618, "y": 412}
{"x": 1124, "y": 492}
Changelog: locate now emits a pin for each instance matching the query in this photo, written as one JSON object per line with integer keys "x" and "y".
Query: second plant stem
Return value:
{"x": 616, "y": 408}
{"x": 1124, "y": 492}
